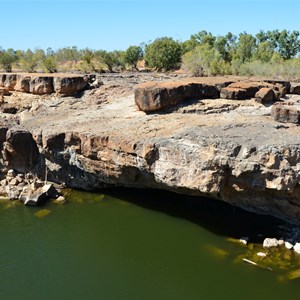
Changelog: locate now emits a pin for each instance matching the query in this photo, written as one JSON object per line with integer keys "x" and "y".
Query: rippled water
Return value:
{"x": 146, "y": 246}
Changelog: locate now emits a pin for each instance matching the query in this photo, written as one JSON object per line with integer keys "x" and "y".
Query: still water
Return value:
{"x": 132, "y": 245}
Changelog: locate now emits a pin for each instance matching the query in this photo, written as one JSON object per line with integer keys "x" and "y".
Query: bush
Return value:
{"x": 29, "y": 61}
{"x": 132, "y": 55}
{"x": 205, "y": 61}
{"x": 7, "y": 58}
{"x": 163, "y": 54}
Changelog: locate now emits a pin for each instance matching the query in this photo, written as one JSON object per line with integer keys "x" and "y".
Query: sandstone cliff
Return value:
{"x": 228, "y": 149}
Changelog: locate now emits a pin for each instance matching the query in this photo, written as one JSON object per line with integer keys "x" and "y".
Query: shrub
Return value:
{"x": 132, "y": 55}
{"x": 204, "y": 61}
{"x": 163, "y": 54}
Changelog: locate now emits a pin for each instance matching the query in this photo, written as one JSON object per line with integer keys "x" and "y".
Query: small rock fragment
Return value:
{"x": 261, "y": 254}
{"x": 244, "y": 240}
{"x": 297, "y": 248}
{"x": 288, "y": 245}
{"x": 270, "y": 242}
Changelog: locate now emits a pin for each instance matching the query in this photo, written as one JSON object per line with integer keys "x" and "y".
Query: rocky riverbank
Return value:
{"x": 209, "y": 141}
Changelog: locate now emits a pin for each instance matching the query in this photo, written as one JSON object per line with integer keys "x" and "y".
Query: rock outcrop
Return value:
{"x": 236, "y": 152}
{"x": 19, "y": 151}
{"x": 152, "y": 96}
{"x": 42, "y": 84}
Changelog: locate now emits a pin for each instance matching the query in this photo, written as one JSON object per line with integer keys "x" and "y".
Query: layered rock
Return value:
{"x": 41, "y": 84}
{"x": 239, "y": 155}
{"x": 19, "y": 151}
{"x": 152, "y": 96}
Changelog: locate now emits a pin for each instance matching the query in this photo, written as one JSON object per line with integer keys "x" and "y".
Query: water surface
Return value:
{"x": 131, "y": 245}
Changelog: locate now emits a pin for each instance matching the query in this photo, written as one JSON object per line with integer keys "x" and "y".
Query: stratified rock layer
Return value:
{"x": 42, "y": 84}
{"x": 229, "y": 150}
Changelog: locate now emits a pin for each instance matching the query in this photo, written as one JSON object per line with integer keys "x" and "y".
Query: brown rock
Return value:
{"x": 23, "y": 83}
{"x": 295, "y": 88}
{"x": 233, "y": 93}
{"x": 251, "y": 87}
{"x": 41, "y": 85}
{"x": 4, "y": 91}
{"x": 265, "y": 95}
{"x": 152, "y": 96}
{"x": 286, "y": 114}
{"x": 283, "y": 83}
{"x": 20, "y": 150}
{"x": 69, "y": 85}
{"x": 10, "y": 81}
{"x": 281, "y": 91}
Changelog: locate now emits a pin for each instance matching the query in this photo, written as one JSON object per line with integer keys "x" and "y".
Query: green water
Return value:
{"x": 101, "y": 247}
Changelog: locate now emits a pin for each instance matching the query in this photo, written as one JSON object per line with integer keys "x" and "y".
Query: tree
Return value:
{"x": 50, "y": 61}
{"x": 204, "y": 61}
{"x": 264, "y": 52}
{"x": 246, "y": 47}
{"x": 29, "y": 61}
{"x": 203, "y": 37}
{"x": 113, "y": 59}
{"x": 132, "y": 55}
{"x": 163, "y": 54}
{"x": 284, "y": 42}
{"x": 7, "y": 58}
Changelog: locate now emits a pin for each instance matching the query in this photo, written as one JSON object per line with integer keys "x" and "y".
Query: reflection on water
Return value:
{"x": 134, "y": 245}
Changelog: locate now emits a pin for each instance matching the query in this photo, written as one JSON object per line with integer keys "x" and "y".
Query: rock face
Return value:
{"x": 69, "y": 86}
{"x": 236, "y": 152}
{"x": 20, "y": 151}
{"x": 41, "y": 84}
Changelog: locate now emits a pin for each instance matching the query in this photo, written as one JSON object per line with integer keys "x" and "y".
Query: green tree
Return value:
{"x": 163, "y": 54}
{"x": 204, "y": 37}
{"x": 7, "y": 58}
{"x": 29, "y": 61}
{"x": 112, "y": 59}
{"x": 132, "y": 55}
{"x": 50, "y": 61}
{"x": 246, "y": 47}
{"x": 264, "y": 51}
{"x": 204, "y": 61}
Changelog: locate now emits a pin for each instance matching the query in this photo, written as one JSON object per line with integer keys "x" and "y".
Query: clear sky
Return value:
{"x": 117, "y": 24}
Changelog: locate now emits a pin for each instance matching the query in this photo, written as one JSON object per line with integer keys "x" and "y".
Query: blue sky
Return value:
{"x": 117, "y": 24}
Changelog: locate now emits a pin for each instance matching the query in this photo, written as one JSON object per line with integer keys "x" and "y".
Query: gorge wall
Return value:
{"x": 229, "y": 149}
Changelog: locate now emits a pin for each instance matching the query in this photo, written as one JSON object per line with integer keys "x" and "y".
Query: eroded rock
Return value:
{"x": 286, "y": 113}
{"x": 265, "y": 95}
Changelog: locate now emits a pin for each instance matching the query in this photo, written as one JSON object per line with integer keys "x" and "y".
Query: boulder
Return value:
{"x": 288, "y": 245}
{"x": 233, "y": 93}
{"x": 270, "y": 242}
{"x": 283, "y": 83}
{"x": 155, "y": 96}
{"x": 20, "y": 150}
{"x": 297, "y": 248}
{"x": 280, "y": 91}
{"x": 295, "y": 88}
{"x": 41, "y": 85}
{"x": 69, "y": 85}
{"x": 265, "y": 95}
{"x": 251, "y": 87}
{"x": 286, "y": 113}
